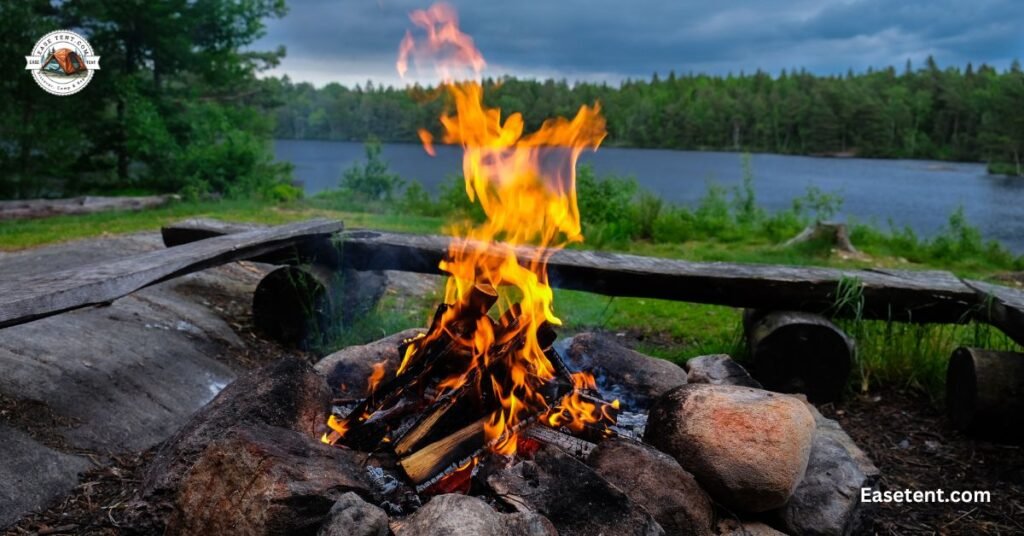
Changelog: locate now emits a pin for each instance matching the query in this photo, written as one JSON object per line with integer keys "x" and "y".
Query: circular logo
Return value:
{"x": 62, "y": 62}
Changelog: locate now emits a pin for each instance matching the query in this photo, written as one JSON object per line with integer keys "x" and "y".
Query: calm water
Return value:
{"x": 918, "y": 193}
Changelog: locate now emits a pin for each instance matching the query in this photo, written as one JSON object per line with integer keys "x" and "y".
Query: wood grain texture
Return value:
{"x": 930, "y": 296}
{"x": 320, "y": 250}
{"x": 1003, "y": 307}
{"x": 45, "y": 293}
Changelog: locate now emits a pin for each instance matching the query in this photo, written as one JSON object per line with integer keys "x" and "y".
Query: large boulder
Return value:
{"x": 577, "y": 500}
{"x": 287, "y": 393}
{"x": 636, "y": 379}
{"x": 264, "y": 480}
{"x": 348, "y": 370}
{"x": 718, "y": 369}
{"x": 657, "y": 482}
{"x": 827, "y": 501}
{"x": 747, "y": 447}
{"x": 462, "y": 515}
{"x": 352, "y": 516}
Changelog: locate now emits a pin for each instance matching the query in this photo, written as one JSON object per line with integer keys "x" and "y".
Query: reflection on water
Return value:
{"x": 916, "y": 193}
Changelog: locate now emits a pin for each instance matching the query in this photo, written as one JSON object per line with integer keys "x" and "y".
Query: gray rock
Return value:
{"x": 747, "y": 447}
{"x": 462, "y": 515}
{"x": 718, "y": 369}
{"x": 827, "y": 500}
{"x": 577, "y": 500}
{"x": 657, "y": 482}
{"x": 348, "y": 370}
{"x": 38, "y": 474}
{"x": 731, "y": 527}
{"x": 634, "y": 378}
{"x": 352, "y": 516}
{"x": 121, "y": 377}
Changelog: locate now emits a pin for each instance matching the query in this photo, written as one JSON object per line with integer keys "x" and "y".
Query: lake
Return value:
{"x": 916, "y": 193}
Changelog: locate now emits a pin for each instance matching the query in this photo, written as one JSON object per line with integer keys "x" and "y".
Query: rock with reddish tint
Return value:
{"x": 633, "y": 377}
{"x": 286, "y": 393}
{"x": 747, "y": 447}
{"x": 462, "y": 515}
{"x": 577, "y": 500}
{"x": 657, "y": 482}
{"x": 827, "y": 501}
{"x": 352, "y": 516}
{"x": 731, "y": 527}
{"x": 718, "y": 369}
{"x": 348, "y": 370}
{"x": 263, "y": 480}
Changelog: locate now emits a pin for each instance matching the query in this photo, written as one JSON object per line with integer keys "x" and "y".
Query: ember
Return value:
{"x": 486, "y": 368}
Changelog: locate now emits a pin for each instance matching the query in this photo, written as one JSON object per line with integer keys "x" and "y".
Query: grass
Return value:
{"x": 21, "y": 234}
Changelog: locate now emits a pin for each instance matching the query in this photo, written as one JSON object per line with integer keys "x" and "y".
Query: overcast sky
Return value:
{"x": 351, "y": 41}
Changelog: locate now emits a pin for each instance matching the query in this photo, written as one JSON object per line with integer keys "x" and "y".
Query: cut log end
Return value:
{"x": 985, "y": 393}
{"x": 796, "y": 352}
{"x": 295, "y": 305}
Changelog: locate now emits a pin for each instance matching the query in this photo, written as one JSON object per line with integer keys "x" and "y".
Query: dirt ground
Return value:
{"x": 915, "y": 447}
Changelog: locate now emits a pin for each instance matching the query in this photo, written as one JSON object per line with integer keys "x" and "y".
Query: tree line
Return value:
{"x": 175, "y": 107}
{"x": 969, "y": 114}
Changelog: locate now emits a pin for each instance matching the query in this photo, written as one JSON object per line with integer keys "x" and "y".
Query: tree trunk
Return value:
{"x": 795, "y": 352}
{"x": 985, "y": 393}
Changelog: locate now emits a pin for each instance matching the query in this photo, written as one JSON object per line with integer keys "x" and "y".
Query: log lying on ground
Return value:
{"x": 795, "y": 352}
{"x": 42, "y": 208}
{"x": 834, "y": 232}
{"x": 917, "y": 296}
{"x": 320, "y": 250}
{"x": 301, "y": 305}
{"x": 985, "y": 393}
{"x": 42, "y": 294}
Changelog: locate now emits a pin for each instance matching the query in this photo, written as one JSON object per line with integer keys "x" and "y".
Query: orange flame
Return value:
{"x": 338, "y": 430}
{"x": 526, "y": 185}
{"x": 574, "y": 411}
{"x": 449, "y": 48}
{"x": 375, "y": 377}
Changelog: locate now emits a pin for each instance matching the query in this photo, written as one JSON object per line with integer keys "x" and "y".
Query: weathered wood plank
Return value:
{"x": 889, "y": 294}
{"x": 42, "y": 208}
{"x": 317, "y": 250}
{"x": 42, "y": 294}
{"x": 1003, "y": 307}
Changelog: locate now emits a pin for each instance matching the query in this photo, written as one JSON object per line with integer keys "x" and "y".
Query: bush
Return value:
{"x": 372, "y": 181}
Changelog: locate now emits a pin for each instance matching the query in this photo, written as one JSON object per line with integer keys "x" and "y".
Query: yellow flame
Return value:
{"x": 526, "y": 185}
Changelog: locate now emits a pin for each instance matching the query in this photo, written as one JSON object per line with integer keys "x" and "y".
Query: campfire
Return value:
{"x": 471, "y": 388}
{"x": 482, "y": 423}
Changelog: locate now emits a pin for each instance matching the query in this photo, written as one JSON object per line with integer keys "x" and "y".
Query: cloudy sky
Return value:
{"x": 351, "y": 41}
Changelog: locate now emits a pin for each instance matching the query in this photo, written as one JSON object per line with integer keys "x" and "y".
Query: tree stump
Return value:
{"x": 796, "y": 352}
{"x": 834, "y": 233}
{"x": 985, "y": 393}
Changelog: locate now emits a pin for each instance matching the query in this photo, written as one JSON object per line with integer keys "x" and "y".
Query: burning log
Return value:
{"x": 796, "y": 352}
{"x": 985, "y": 393}
{"x": 444, "y": 455}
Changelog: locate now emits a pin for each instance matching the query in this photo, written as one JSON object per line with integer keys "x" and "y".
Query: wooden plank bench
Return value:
{"x": 42, "y": 294}
{"x": 929, "y": 296}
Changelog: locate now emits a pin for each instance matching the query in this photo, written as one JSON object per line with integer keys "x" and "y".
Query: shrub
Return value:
{"x": 372, "y": 181}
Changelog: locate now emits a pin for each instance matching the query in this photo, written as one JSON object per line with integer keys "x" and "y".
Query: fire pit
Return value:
{"x": 484, "y": 423}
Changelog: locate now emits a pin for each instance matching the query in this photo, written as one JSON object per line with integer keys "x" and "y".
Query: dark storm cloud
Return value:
{"x": 355, "y": 40}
